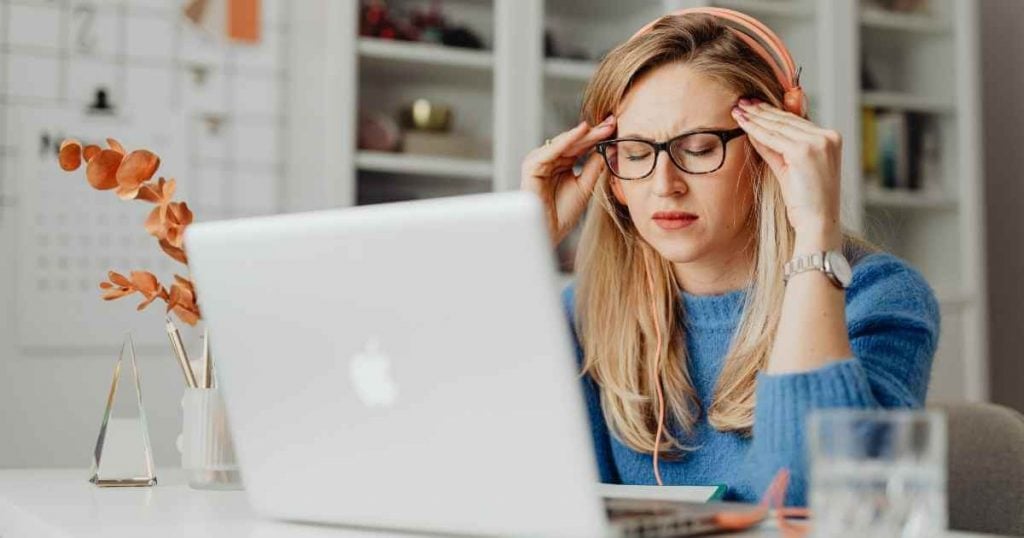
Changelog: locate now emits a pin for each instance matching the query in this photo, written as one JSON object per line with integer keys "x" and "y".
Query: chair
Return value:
{"x": 986, "y": 468}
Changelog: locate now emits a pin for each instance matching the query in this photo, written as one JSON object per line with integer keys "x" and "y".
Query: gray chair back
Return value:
{"x": 986, "y": 469}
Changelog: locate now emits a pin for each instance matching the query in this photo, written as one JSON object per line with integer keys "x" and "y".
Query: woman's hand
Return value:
{"x": 547, "y": 171}
{"x": 806, "y": 159}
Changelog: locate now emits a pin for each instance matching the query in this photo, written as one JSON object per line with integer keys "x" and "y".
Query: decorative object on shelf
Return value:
{"x": 445, "y": 144}
{"x": 377, "y": 132}
{"x": 900, "y": 150}
{"x": 425, "y": 24}
{"x": 426, "y": 115}
{"x": 428, "y": 131}
{"x": 123, "y": 456}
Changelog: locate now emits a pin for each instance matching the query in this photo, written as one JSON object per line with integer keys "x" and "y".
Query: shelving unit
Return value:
{"x": 513, "y": 96}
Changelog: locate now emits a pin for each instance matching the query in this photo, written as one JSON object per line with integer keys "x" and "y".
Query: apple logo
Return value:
{"x": 371, "y": 376}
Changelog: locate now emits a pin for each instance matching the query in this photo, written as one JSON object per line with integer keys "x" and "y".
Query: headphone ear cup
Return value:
{"x": 795, "y": 101}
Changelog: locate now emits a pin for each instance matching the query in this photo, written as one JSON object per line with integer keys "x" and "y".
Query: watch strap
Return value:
{"x": 803, "y": 263}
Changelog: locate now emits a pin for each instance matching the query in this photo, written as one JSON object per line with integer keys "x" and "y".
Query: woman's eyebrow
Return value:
{"x": 691, "y": 131}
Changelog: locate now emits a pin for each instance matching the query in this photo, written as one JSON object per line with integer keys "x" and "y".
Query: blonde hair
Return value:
{"x": 615, "y": 323}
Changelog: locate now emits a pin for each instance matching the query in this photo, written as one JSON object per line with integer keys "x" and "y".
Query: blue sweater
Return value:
{"x": 893, "y": 322}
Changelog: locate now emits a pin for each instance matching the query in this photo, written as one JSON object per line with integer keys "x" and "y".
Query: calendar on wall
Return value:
{"x": 71, "y": 234}
{"x": 140, "y": 72}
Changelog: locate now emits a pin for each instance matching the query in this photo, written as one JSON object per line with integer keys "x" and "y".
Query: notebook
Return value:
{"x": 700, "y": 494}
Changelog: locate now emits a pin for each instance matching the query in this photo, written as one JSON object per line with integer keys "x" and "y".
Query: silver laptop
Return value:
{"x": 407, "y": 366}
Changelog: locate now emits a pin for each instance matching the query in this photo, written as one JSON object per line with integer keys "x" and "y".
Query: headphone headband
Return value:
{"x": 763, "y": 41}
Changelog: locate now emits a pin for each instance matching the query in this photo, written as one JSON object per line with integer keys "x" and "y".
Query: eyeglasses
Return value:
{"x": 700, "y": 152}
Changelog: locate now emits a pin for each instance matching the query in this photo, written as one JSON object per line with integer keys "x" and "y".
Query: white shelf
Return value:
{"x": 796, "y": 9}
{"x": 876, "y": 18}
{"x": 513, "y": 95}
{"x": 957, "y": 299}
{"x": 875, "y": 196}
{"x": 425, "y": 165}
{"x": 424, "y": 53}
{"x": 905, "y": 101}
{"x": 569, "y": 70}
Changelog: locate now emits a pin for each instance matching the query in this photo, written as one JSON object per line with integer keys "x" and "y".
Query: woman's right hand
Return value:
{"x": 548, "y": 172}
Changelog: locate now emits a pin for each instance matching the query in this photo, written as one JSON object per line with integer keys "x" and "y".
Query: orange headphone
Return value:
{"x": 768, "y": 46}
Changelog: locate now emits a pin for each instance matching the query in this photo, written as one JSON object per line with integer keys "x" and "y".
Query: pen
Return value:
{"x": 181, "y": 355}
{"x": 207, "y": 361}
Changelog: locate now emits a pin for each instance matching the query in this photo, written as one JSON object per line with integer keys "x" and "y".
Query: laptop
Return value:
{"x": 408, "y": 366}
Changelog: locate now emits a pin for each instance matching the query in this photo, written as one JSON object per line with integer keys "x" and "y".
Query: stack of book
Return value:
{"x": 901, "y": 150}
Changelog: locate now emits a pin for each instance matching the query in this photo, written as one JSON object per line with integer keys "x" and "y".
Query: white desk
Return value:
{"x": 63, "y": 504}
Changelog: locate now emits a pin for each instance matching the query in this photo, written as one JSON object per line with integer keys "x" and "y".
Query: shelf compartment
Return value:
{"x": 880, "y": 19}
{"x": 424, "y": 165}
{"x": 569, "y": 70}
{"x": 875, "y": 196}
{"x": 905, "y": 101}
{"x": 425, "y": 54}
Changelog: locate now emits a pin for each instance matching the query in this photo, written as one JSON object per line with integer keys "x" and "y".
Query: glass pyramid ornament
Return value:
{"x": 123, "y": 457}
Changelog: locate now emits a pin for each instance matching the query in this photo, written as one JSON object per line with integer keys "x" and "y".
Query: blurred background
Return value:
{"x": 265, "y": 106}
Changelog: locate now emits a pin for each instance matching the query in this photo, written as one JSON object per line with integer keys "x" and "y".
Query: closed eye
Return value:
{"x": 638, "y": 157}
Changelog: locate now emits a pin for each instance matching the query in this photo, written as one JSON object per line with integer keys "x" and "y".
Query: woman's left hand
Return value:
{"x": 806, "y": 159}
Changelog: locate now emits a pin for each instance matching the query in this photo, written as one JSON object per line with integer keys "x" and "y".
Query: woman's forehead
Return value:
{"x": 674, "y": 98}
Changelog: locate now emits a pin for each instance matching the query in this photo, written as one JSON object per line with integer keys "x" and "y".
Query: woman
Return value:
{"x": 702, "y": 350}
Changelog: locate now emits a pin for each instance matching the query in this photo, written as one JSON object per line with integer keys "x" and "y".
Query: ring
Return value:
{"x": 547, "y": 142}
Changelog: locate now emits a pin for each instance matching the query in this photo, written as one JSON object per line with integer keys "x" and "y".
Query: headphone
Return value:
{"x": 766, "y": 44}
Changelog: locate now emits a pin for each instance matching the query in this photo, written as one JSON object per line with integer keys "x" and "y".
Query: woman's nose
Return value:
{"x": 668, "y": 179}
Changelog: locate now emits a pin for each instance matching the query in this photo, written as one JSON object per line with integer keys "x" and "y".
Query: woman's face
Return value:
{"x": 686, "y": 217}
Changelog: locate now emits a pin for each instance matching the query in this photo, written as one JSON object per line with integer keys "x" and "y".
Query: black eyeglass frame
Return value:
{"x": 724, "y": 135}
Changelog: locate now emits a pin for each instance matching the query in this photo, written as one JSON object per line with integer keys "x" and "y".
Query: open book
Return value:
{"x": 699, "y": 494}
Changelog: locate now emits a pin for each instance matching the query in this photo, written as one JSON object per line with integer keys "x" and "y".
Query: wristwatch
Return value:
{"x": 831, "y": 262}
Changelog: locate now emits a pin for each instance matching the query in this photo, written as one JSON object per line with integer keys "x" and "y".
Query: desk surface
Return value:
{"x": 53, "y": 503}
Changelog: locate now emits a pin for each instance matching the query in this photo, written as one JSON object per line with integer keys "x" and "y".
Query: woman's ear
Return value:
{"x": 617, "y": 189}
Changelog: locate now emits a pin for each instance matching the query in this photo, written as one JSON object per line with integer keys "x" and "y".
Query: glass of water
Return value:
{"x": 878, "y": 473}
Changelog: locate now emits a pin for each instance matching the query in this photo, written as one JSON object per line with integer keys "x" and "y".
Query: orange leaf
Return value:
{"x": 91, "y": 151}
{"x": 142, "y": 306}
{"x": 136, "y": 169}
{"x": 145, "y": 282}
{"x": 147, "y": 193}
{"x": 117, "y": 293}
{"x": 186, "y": 316}
{"x": 119, "y": 279}
{"x": 70, "y": 155}
{"x": 174, "y": 252}
{"x": 155, "y": 223}
{"x": 116, "y": 146}
{"x": 184, "y": 282}
{"x": 102, "y": 169}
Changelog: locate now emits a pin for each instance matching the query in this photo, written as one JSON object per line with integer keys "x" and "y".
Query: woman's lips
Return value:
{"x": 673, "y": 220}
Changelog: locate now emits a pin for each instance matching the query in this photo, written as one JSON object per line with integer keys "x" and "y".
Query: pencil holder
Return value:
{"x": 207, "y": 453}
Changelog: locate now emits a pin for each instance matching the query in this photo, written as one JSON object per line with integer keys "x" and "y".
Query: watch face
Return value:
{"x": 840, "y": 268}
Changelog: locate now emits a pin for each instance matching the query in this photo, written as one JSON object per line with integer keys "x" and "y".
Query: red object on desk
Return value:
{"x": 772, "y": 499}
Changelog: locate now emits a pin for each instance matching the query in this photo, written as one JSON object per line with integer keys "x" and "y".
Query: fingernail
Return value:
{"x": 608, "y": 120}
{"x": 739, "y": 113}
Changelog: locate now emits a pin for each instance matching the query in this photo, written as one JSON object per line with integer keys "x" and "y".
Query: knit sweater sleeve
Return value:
{"x": 592, "y": 397}
{"x": 892, "y": 318}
